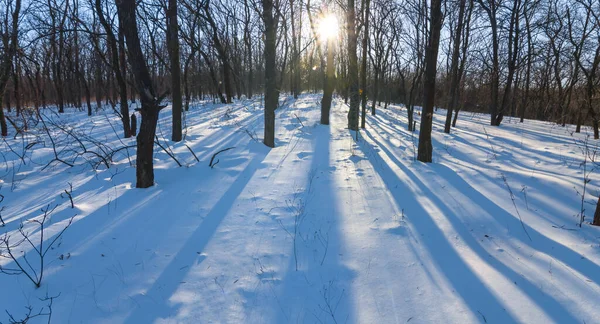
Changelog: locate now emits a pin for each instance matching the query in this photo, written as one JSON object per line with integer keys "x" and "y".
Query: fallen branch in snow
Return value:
{"x": 56, "y": 158}
{"x": 211, "y": 164}
{"x": 7, "y": 249}
{"x": 170, "y": 153}
{"x": 194, "y": 154}
{"x": 512, "y": 197}
{"x": 299, "y": 120}
{"x": 484, "y": 320}
{"x": 17, "y": 129}
{"x": 524, "y": 191}
{"x": 102, "y": 157}
{"x": 565, "y": 228}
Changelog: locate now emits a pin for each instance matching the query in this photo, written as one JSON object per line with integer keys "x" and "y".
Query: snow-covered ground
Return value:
{"x": 321, "y": 229}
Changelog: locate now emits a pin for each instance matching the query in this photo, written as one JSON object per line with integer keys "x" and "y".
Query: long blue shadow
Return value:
{"x": 479, "y": 298}
{"x": 322, "y": 281}
{"x": 464, "y": 281}
{"x": 188, "y": 255}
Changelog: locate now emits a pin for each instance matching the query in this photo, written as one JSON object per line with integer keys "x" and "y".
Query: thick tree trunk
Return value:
{"x": 425, "y": 148}
{"x": 145, "y": 145}
{"x": 596, "y": 220}
{"x": 143, "y": 82}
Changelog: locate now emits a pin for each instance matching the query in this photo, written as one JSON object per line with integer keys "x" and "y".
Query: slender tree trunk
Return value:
{"x": 375, "y": 90}
{"x": 352, "y": 66}
{"x": 173, "y": 44}
{"x": 271, "y": 98}
{"x": 16, "y": 85}
{"x": 328, "y": 86}
{"x": 363, "y": 68}
{"x": 455, "y": 81}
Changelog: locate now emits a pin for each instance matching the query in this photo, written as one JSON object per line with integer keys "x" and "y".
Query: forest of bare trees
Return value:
{"x": 536, "y": 59}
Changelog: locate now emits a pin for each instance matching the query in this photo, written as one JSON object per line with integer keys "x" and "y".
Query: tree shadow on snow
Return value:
{"x": 320, "y": 291}
{"x": 472, "y": 290}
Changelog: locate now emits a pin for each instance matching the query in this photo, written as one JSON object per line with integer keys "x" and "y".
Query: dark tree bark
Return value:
{"x": 16, "y": 84}
{"x": 117, "y": 62}
{"x": 363, "y": 67}
{"x": 150, "y": 103}
{"x": 173, "y": 44}
{"x": 352, "y": 66}
{"x": 271, "y": 94}
{"x": 525, "y": 101}
{"x": 248, "y": 50}
{"x": 491, "y": 8}
{"x": 10, "y": 42}
{"x": 455, "y": 80}
{"x": 221, "y": 50}
{"x": 121, "y": 77}
{"x": 425, "y": 148}
{"x": 513, "y": 48}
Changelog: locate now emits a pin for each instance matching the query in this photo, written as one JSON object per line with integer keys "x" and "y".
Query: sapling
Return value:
{"x": 9, "y": 248}
{"x": 69, "y": 193}
{"x": 45, "y": 311}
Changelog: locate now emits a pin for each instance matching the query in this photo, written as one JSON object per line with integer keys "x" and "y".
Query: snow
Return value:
{"x": 320, "y": 229}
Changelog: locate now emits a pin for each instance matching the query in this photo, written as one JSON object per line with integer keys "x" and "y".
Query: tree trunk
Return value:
{"x": 363, "y": 68}
{"x": 3, "y": 126}
{"x": 271, "y": 97}
{"x": 328, "y": 86}
{"x": 596, "y": 220}
{"x": 173, "y": 43}
{"x": 352, "y": 67}
{"x": 121, "y": 76}
{"x": 6, "y": 60}
{"x": 143, "y": 82}
{"x": 454, "y": 82}
{"x": 16, "y": 91}
{"x": 375, "y": 90}
{"x": 425, "y": 148}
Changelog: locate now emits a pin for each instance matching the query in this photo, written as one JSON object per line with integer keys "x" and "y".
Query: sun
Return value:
{"x": 328, "y": 27}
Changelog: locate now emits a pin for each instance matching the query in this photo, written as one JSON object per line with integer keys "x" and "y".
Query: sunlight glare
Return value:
{"x": 328, "y": 27}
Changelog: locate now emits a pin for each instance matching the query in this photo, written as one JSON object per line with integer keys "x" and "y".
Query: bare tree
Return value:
{"x": 270, "y": 20}
{"x": 9, "y": 31}
{"x": 425, "y": 148}
{"x": 173, "y": 44}
{"x": 150, "y": 101}
{"x": 352, "y": 65}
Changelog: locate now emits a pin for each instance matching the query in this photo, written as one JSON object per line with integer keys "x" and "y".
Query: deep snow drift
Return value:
{"x": 321, "y": 229}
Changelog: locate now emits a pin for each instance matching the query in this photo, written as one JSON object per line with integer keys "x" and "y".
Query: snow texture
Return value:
{"x": 320, "y": 229}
